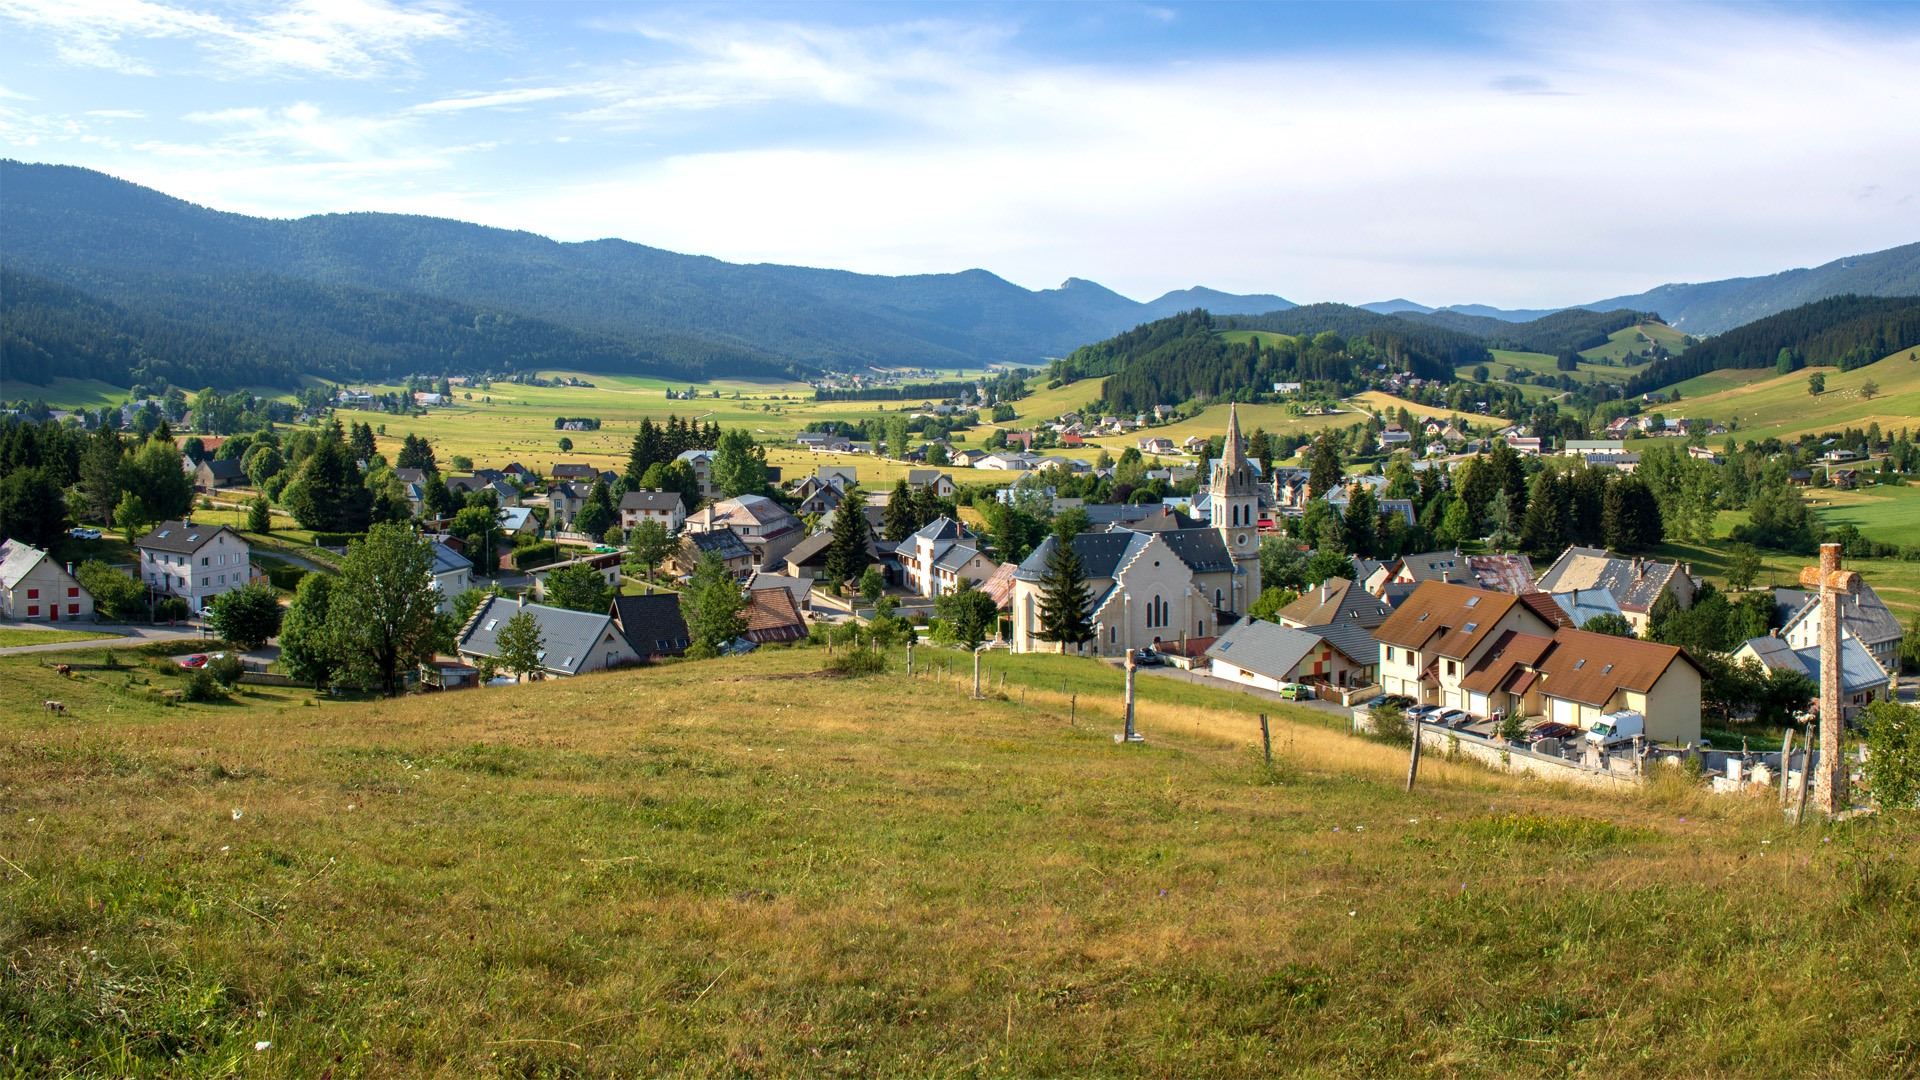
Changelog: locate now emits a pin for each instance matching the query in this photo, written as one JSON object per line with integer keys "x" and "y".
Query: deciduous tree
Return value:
{"x": 381, "y": 614}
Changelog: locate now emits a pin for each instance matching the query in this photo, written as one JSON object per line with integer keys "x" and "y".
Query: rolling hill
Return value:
{"x": 1716, "y": 306}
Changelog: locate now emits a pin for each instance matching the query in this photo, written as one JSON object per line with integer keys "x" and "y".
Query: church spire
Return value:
{"x": 1234, "y": 455}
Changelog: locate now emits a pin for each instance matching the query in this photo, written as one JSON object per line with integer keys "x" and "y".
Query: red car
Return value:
{"x": 198, "y": 660}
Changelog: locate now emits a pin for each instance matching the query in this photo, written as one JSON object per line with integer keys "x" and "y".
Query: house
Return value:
{"x": 1156, "y": 446}
{"x": 1511, "y": 572}
{"x": 1863, "y": 617}
{"x": 505, "y": 493}
{"x": 941, "y": 483}
{"x": 1525, "y": 447}
{"x": 1268, "y": 656}
{"x": 839, "y": 477}
{"x": 816, "y": 496}
{"x": 1395, "y": 437}
{"x": 701, "y": 462}
{"x": 1437, "y": 634}
{"x": 518, "y": 473}
{"x": 1844, "y": 479}
{"x": 519, "y": 521}
{"x": 193, "y": 562}
{"x": 1582, "y": 605}
{"x": 935, "y": 558}
{"x": 721, "y": 542}
{"x": 801, "y": 588}
{"x": 564, "y": 500}
{"x": 1636, "y": 584}
{"x": 1863, "y": 679}
{"x": 773, "y": 616}
{"x": 1582, "y": 447}
{"x": 606, "y": 564}
{"x": 33, "y": 586}
{"x": 213, "y": 475}
{"x": 808, "y": 559}
{"x": 1335, "y": 601}
{"x": 1196, "y": 444}
{"x": 452, "y": 574}
{"x": 653, "y": 504}
{"x": 1800, "y": 478}
{"x": 576, "y": 642}
{"x": 764, "y": 526}
{"x": 1574, "y": 678}
{"x": 410, "y": 475}
{"x": 440, "y": 673}
{"x": 575, "y": 471}
{"x": 652, "y": 624}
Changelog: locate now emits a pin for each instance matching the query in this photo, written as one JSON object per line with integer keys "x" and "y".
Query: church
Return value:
{"x": 1148, "y": 583}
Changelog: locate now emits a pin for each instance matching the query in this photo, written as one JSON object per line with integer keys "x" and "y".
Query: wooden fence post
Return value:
{"x": 1266, "y": 738}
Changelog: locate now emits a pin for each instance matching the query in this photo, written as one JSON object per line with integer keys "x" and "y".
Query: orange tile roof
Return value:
{"x": 1435, "y": 607}
{"x": 1513, "y": 649}
{"x": 1589, "y": 668}
{"x": 773, "y": 616}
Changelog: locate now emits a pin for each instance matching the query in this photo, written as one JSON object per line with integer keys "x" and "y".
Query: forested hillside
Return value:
{"x": 1172, "y": 360}
{"x": 1433, "y": 350}
{"x": 262, "y": 329}
{"x": 1715, "y": 307}
{"x": 116, "y": 239}
{"x": 1845, "y": 331}
{"x": 1572, "y": 330}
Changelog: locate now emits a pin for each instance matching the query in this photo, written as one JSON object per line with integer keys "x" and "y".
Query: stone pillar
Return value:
{"x": 1830, "y": 794}
{"x": 1128, "y": 735}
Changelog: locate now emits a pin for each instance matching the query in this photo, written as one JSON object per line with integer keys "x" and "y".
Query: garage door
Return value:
{"x": 1565, "y": 712}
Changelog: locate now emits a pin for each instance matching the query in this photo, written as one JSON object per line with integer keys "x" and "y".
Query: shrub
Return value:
{"x": 539, "y": 553}
{"x": 202, "y": 687}
{"x": 226, "y": 670}
{"x": 857, "y": 662}
{"x": 327, "y": 539}
{"x": 170, "y": 607}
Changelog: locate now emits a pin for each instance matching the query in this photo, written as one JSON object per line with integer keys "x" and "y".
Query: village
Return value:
{"x": 1540, "y": 669}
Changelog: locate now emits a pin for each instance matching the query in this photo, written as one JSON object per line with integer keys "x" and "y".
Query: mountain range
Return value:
{"x": 337, "y": 294}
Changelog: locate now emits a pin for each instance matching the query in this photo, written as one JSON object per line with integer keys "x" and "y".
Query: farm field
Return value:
{"x": 1779, "y": 405}
{"x": 1542, "y": 364}
{"x": 631, "y": 874}
{"x": 1715, "y": 382}
{"x": 1887, "y": 514}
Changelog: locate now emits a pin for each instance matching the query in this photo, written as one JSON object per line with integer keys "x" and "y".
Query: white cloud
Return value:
{"x": 338, "y": 38}
{"x": 1571, "y": 164}
{"x": 118, "y": 114}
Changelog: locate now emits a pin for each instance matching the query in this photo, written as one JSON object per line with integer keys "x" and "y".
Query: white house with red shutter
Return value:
{"x": 33, "y": 586}
{"x": 193, "y": 562}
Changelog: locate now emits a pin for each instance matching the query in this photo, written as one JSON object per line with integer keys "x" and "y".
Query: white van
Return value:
{"x": 1617, "y": 727}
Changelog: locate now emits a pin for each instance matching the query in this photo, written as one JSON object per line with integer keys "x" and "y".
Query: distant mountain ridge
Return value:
{"x": 118, "y": 240}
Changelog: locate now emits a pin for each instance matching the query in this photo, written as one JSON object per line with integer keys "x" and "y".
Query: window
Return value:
{"x": 32, "y": 610}
{"x": 1471, "y": 600}
{"x": 1472, "y": 626}
{"x": 33, "y": 594}
{"x": 72, "y": 591}
{"x": 1578, "y": 664}
{"x": 1113, "y": 634}
{"x": 1608, "y": 670}
{"x": 491, "y": 623}
{"x": 73, "y": 609}
{"x": 203, "y": 581}
{"x": 1450, "y": 667}
{"x": 1389, "y": 654}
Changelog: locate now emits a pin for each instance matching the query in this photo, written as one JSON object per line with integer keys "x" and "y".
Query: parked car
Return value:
{"x": 83, "y": 533}
{"x": 1146, "y": 656}
{"x": 196, "y": 660}
{"x": 1398, "y": 701}
{"x": 1294, "y": 691}
{"x": 1423, "y": 713}
{"x": 1454, "y": 718}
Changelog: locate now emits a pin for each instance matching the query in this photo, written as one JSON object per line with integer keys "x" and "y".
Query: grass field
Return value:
{"x": 11, "y": 636}
{"x": 1627, "y": 343}
{"x": 731, "y": 868}
{"x": 1768, "y": 405}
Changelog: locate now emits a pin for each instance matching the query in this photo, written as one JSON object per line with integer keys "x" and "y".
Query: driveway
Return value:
{"x": 1198, "y": 678}
{"x": 135, "y": 635}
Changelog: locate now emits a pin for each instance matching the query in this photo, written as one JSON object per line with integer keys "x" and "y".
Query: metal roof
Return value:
{"x": 1264, "y": 648}
{"x": 181, "y": 538}
{"x": 652, "y": 623}
{"x": 16, "y": 559}
{"x": 570, "y": 636}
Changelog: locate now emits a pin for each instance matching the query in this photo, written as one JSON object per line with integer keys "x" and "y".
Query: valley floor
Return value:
{"x": 735, "y": 867}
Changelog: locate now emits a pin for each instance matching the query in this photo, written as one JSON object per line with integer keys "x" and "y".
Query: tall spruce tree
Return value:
{"x": 847, "y": 552}
{"x": 1543, "y": 530}
{"x": 1360, "y": 520}
{"x": 1063, "y": 597}
{"x": 901, "y": 515}
{"x": 1323, "y": 473}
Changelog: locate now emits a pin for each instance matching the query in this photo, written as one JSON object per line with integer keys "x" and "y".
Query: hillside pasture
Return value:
{"x": 737, "y": 867}
{"x": 1625, "y": 345}
{"x": 1774, "y": 405}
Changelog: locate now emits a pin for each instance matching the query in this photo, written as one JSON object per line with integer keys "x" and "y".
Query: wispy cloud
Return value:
{"x": 337, "y": 38}
{"x": 117, "y": 114}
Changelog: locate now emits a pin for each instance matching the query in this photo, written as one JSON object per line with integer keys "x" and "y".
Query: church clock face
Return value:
{"x": 1241, "y": 539}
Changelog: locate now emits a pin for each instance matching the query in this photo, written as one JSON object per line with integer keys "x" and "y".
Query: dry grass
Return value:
{"x": 716, "y": 869}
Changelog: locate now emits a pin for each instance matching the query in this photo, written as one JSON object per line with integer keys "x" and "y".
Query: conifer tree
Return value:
{"x": 847, "y": 552}
{"x": 1324, "y": 470}
{"x": 1063, "y": 597}
{"x": 901, "y": 514}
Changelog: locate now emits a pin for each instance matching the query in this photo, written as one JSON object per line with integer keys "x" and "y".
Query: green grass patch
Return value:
{"x": 1560, "y": 830}
{"x": 11, "y": 636}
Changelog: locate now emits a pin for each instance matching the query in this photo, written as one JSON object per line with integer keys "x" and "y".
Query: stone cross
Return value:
{"x": 1830, "y": 791}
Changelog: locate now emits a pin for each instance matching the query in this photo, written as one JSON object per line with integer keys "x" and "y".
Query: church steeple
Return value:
{"x": 1233, "y": 505}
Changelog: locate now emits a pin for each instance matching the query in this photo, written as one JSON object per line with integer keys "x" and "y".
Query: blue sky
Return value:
{"x": 1513, "y": 154}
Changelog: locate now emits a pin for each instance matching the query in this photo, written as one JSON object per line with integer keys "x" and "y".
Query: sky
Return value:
{"x": 1520, "y": 155}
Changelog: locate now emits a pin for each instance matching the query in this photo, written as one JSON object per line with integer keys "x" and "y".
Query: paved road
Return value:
{"x": 135, "y": 635}
{"x": 1199, "y": 678}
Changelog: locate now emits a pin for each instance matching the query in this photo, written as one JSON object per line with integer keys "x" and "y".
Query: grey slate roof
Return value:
{"x": 653, "y": 624}
{"x": 1439, "y": 566}
{"x": 1351, "y": 638}
{"x": 649, "y": 500}
{"x": 1101, "y": 554}
{"x": 446, "y": 560}
{"x": 1858, "y": 669}
{"x": 1864, "y": 616}
{"x": 571, "y": 636}
{"x": 179, "y": 537}
{"x": 225, "y": 469}
{"x": 722, "y": 542}
{"x": 943, "y": 528}
{"x": 1201, "y": 549}
{"x": 1264, "y": 648}
{"x": 954, "y": 556}
{"x": 1583, "y": 604}
{"x": 16, "y": 559}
